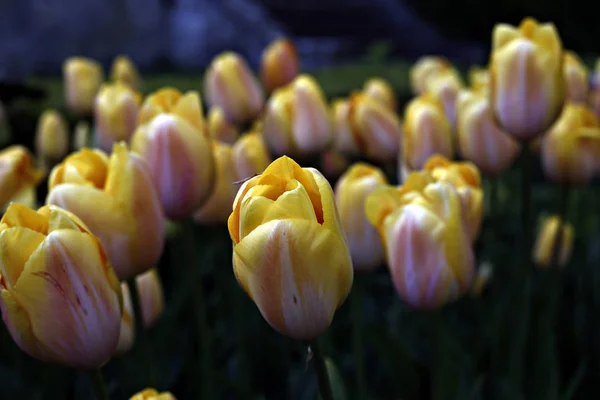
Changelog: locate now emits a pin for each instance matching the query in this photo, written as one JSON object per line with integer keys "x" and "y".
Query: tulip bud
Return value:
{"x": 116, "y": 199}
{"x": 116, "y": 112}
{"x": 285, "y": 224}
{"x": 482, "y": 279}
{"x": 575, "y": 75}
{"x": 379, "y": 89}
{"x": 152, "y": 304}
{"x": 425, "y": 68}
{"x": 428, "y": 250}
{"x": 343, "y": 138}
{"x": 82, "y": 136}
{"x": 230, "y": 85}
{"x": 151, "y": 394}
{"x": 445, "y": 87}
{"x": 217, "y": 207}
{"x": 219, "y": 128}
{"x": 571, "y": 149}
{"x": 82, "y": 80}
{"x": 279, "y": 64}
{"x": 375, "y": 127}
{"x": 527, "y": 88}
{"x": 123, "y": 71}
{"x": 16, "y": 172}
{"x": 479, "y": 78}
{"x": 351, "y": 192}
{"x": 548, "y": 239}
{"x": 51, "y": 138}
{"x": 465, "y": 178}
{"x": 427, "y": 131}
{"x": 250, "y": 155}
{"x": 480, "y": 139}
{"x": 60, "y": 298}
{"x": 333, "y": 164}
{"x": 173, "y": 140}
{"x": 296, "y": 120}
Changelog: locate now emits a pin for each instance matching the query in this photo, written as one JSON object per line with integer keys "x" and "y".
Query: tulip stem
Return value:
{"x": 322, "y": 374}
{"x": 100, "y": 391}
{"x": 140, "y": 337}
{"x": 356, "y": 298}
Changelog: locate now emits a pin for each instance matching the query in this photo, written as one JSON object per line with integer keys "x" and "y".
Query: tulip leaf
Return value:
{"x": 335, "y": 380}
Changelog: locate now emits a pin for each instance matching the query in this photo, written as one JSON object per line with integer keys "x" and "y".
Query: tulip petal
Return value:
{"x": 16, "y": 245}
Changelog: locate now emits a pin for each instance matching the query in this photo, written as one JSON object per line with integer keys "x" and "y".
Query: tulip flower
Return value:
{"x": 279, "y": 64}
{"x": 594, "y": 97}
{"x": 174, "y": 141}
{"x": 290, "y": 253}
{"x": 250, "y": 155}
{"x": 343, "y": 137}
{"x": 82, "y": 135}
{"x": 217, "y": 207}
{"x": 60, "y": 299}
{"x": 51, "y": 138}
{"x": 480, "y": 139}
{"x": 575, "y": 74}
{"x": 445, "y": 87}
{"x": 116, "y": 112}
{"x": 425, "y": 68}
{"x": 16, "y": 172}
{"x": 151, "y": 394}
{"x": 571, "y": 149}
{"x": 427, "y": 131}
{"x": 547, "y": 239}
{"x": 479, "y": 78}
{"x": 82, "y": 80}
{"x": 375, "y": 127}
{"x": 428, "y": 251}
{"x": 219, "y": 128}
{"x": 230, "y": 85}
{"x": 296, "y": 120}
{"x": 123, "y": 71}
{"x": 380, "y": 89}
{"x": 465, "y": 178}
{"x": 116, "y": 199}
{"x": 152, "y": 303}
{"x": 527, "y": 88}
{"x": 351, "y": 192}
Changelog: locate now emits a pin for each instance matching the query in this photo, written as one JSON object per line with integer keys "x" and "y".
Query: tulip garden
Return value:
{"x": 378, "y": 231}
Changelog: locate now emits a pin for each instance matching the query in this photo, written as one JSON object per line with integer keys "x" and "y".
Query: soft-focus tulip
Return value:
{"x": 60, "y": 299}
{"x": 427, "y": 131}
{"x": 230, "y": 85}
{"x": 480, "y": 139}
{"x": 571, "y": 149}
{"x": 445, "y": 87}
{"x": 343, "y": 138}
{"x": 51, "y": 138}
{"x": 279, "y": 64}
{"x": 123, "y": 70}
{"x": 333, "y": 164}
{"x": 296, "y": 120}
{"x": 381, "y": 90}
{"x": 219, "y": 128}
{"x": 548, "y": 238}
{"x": 465, "y": 178}
{"x": 116, "y": 199}
{"x": 151, "y": 394}
{"x": 575, "y": 75}
{"x": 82, "y": 135}
{"x": 482, "y": 279}
{"x": 16, "y": 172}
{"x": 376, "y": 128}
{"x": 479, "y": 78}
{"x": 594, "y": 97}
{"x": 250, "y": 155}
{"x": 527, "y": 89}
{"x": 290, "y": 253}
{"x": 115, "y": 114}
{"x": 428, "y": 251}
{"x": 152, "y": 304}
{"x": 217, "y": 207}
{"x": 351, "y": 192}
{"x": 425, "y": 68}
{"x": 173, "y": 140}
{"x": 82, "y": 79}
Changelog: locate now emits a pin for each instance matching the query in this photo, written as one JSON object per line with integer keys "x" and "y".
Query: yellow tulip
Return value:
{"x": 575, "y": 74}
{"x": 116, "y": 199}
{"x": 123, "y": 71}
{"x": 279, "y": 64}
{"x": 296, "y": 120}
{"x": 527, "y": 88}
{"x": 543, "y": 250}
{"x": 250, "y": 155}
{"x": 427, "y": 247}
{"x": 173, "y": 139}
{"x": 16, "y": 172}
{"x": 380, "y": 89}
{"x": 60, "y": 298}
{"x": 116, "y": 112}
{"x": 571, "y": 149}
{"x": 445, "y": 87}
{"x": 351, "y": 192}
{"x": 479, "y": 78}
{"x": 51, "y": 138}
{"x": 290, "y": 253}
{"x": 151, "y": 394}
{"x": 343, "y": 137}
{"x": 230, "y": 85}
{"x": 82, "y": 79}
{"x": 425, "y": 68}
{"x": 219, "y": 128}
{"x": 152, "y": 303}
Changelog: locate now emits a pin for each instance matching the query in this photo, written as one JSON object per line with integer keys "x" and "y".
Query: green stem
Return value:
{"x": 526, "y": 221}
{"x": 356, "y": 298}
{"x": 140, "y": 331}
{"x": 443, "y": 382}
{"x": 98, "y": 385}
{"x": 322, "y": 375}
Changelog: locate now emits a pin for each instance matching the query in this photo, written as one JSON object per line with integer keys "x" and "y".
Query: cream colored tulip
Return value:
{"x": 250, "y": 155}
{"x": 576, "y": 78}
{"x": 219, "y": 128}
{"x": 82, "y": 79}
{"x": 279, "y": 64}
{"x": 381, "y": 90}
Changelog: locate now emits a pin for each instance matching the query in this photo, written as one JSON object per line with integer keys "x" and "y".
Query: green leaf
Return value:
{"x": 335, "y": 379}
